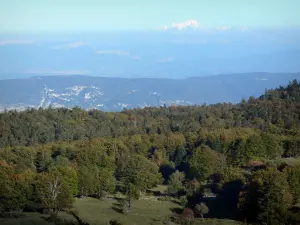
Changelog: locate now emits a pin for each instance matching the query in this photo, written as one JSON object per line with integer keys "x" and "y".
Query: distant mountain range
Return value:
{"x": 114, "y": 94}
{"x": 181, "y": 50}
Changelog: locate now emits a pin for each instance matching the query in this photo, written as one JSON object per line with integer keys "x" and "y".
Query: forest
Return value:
{"x": 223, "y": 161}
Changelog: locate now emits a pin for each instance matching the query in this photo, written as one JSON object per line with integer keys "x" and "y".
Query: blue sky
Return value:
{"x": 115, "y": 15}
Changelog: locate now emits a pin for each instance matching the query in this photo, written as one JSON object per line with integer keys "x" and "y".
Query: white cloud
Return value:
{"x": 118, "y": 52}
{"x": 182, "y": 25}
{"x": 166, "y": 60}
{"x": 194, "y": 24}
{"x": 70, "y": 45}
{"x": 15, "y": 42}
{"x": 59, "y": 72}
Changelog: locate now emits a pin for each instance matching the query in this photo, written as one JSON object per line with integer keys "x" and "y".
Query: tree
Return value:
{"x": 229, "y": 174}
{"x": 55, "y": 190}
{"x": 274, "y": 197}
{"x": 267, "y": 198}
{"x": 293, "y": 178}
{"x": 167, "y": 170}
{"x": 201, "y": 209}
{"x": 42, "y": 161}
{"x": 133, "y": 192}
{"x": 191, "y": 187}
{"x": 49, "y": 189}
{"x": 175, "y": 182}
{"x": 21, "y": 192}
{"x": 6, "y": 185}
{"x": 236, "y": 153}
{"x": 140, "y": 172}
{"x": 104, "y": 182}
{"x": 179, "y": 156}
{"x": 273, "y": 204}
{"x": 205, "y": 161}
{"x": 183, "y": 200}
{"x": 85, "y": 180}
{"x": 69, "y": 178}
{"x": 255, "y": 148}
{"x": 16, "y": 191}
{"x": 273, "y": 147}
{"x": 60, "y": 161}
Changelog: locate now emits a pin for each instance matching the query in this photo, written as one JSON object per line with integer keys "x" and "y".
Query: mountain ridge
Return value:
{"x": 114, "y": 94}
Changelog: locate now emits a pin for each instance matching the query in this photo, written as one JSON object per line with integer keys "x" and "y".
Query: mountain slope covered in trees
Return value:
{"x": 218, "y": 161}
{"x": 277, "y": 111}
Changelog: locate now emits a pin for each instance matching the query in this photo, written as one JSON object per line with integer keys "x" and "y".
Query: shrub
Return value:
{"x": 125, "y": 206}
{"x": 183, "y": 200}
{"x": 201, "y": 209}
{"x": 185, "y": 218}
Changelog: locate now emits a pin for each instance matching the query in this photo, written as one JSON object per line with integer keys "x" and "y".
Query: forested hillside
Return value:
{"x": 219, "y": 161}
{"x": 277, "y": 111}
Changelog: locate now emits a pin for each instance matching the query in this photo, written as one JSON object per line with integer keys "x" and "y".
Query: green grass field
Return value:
{"x": 145, "y": 211}
{"x": 27, "y": 219}
{"x": 292, "y": 161}
{"x": 32, "y": 219}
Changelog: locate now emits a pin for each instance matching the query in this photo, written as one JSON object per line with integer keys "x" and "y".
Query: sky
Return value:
{"x": 118, "y": 15}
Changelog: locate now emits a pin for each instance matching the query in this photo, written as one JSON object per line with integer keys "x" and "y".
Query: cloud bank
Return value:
{"x": 15, "y": 42}
{"x": 183, "y": 25}
{"x": 70, "y": 45}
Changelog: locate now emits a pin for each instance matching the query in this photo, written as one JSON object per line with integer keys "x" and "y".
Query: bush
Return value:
{"x": 133, "y": 192}
{"x": 185, "y": 218}
{"x": 201, "y": 209}
{"x": 102, "y": 195}
{"x": 183, "y": 200}
{"x": 125, "y": 206}
{"x": 11, "y": 213}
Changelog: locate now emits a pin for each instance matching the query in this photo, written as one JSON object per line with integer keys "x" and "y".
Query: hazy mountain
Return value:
{"x": 181, "y": 51}
{"x": 111, "y": 94}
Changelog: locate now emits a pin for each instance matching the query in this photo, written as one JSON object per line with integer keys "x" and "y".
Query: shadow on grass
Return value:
{"x": 117, "y": 205}
{"x": 176, "y": 210}
{"x": 117, "y": 198}
{"x": 117, "y": 209}
{"x": 59, "y": 220}
{"x": 175, "y": 201}
{"x": 155, "y": 220}
{"x": 44, "y": 217}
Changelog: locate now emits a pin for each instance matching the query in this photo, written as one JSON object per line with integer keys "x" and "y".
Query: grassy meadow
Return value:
{"x": 148, "y": 210}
